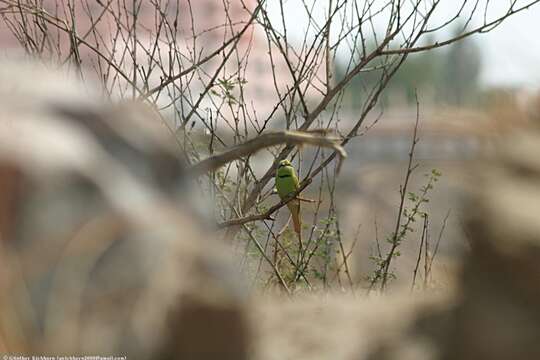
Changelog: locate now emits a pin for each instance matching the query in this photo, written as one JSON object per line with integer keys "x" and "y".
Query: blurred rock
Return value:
{"x": 341, "y": 326}
{"x": 499, "y": 315}
{"x": 102, "y": 252}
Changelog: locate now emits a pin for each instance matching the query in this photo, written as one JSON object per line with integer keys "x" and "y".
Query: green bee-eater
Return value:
{"x": 286, "y": 184}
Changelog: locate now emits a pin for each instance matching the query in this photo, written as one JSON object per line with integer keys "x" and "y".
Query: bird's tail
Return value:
{"x": 294, "y": 207}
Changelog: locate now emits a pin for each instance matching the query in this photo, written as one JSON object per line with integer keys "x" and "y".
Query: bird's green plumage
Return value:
{"x": 286, "y": 179}
{"x": 286, "y": 184}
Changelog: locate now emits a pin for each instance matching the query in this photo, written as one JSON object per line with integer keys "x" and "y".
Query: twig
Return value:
{"x": 269, "y": 139}
{"x": 403, "y": 195}
{"x": 266, "y": 214}
{"x": 422, "y": 239}
{"x": 443, "y": 227}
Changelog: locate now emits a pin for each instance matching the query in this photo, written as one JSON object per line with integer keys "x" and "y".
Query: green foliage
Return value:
{"x": 225, "y": 89}
{"x": 443, "y": 76}
{"x": 460, "y": 75}
{"x": 315, "y": 261}
{"x": 411, "y": 212}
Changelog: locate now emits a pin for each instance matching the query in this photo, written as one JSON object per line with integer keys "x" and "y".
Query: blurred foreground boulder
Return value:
{"x": 499, "y": 315}
{"x": 101, "y": 251}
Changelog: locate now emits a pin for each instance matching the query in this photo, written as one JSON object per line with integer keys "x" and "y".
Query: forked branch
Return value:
{"x": 298, "y": 138}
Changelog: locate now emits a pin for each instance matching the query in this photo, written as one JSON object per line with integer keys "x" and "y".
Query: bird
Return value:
{"x": 286, "y": 185}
